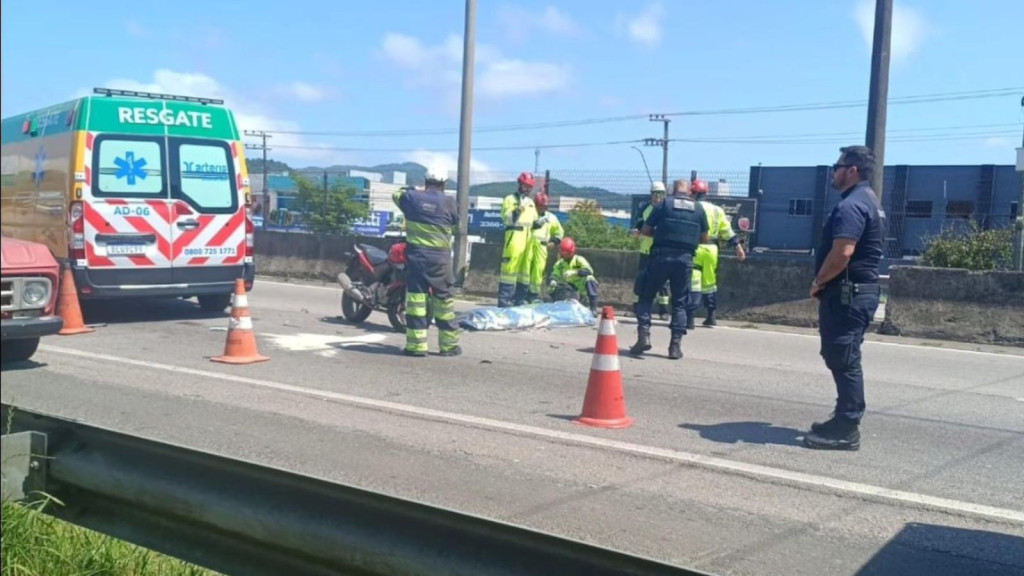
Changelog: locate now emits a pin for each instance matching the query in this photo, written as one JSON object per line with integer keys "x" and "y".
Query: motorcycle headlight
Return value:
{"x": 35, "y": 293}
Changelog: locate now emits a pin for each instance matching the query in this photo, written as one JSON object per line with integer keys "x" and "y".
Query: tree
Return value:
{"x": 589, "y": 228}
{"x": 330, "y": 211}
{"x": 972, "y": 248}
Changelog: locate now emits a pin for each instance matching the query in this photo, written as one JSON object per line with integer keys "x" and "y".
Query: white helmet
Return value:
{"x": 436, "y": 173}
{"x": 657, "y": 187}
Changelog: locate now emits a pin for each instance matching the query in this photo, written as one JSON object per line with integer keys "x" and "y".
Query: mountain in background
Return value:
{"x": 415, "y": 174}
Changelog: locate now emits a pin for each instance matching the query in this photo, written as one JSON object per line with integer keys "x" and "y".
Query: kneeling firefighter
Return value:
{"x": 575, "y": 271}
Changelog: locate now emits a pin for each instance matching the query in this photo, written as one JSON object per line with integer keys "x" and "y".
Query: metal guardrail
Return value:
{"x": 237, "y": 517}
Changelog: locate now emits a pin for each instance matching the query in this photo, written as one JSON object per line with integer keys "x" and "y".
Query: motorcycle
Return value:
{"x": 374, "y": 280}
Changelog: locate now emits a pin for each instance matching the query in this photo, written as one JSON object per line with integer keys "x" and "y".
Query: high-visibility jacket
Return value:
{"x": 568, "y": 271}
{"x": 430, "y": 218}
{"x": 646, "y": 242}
{"x": 719, "y": 225}
{"x": 547, "y": 228}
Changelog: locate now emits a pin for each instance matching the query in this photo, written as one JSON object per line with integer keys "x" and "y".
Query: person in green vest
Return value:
{"x": 657, "y": 196}
{"x": 574, "y": 270}
{"x": 546, "y": 234}
{"x": 720, "y": 232}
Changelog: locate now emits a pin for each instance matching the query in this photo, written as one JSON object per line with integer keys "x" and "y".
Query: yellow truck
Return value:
{"x": 141, "y": 194}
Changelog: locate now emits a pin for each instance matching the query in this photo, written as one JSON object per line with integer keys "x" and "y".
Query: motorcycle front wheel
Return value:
{"x": 353, "y": 311}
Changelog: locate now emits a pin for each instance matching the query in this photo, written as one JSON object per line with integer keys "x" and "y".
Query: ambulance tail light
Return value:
{"x": 76, "y": 217}
{"x": 250, "y": 234}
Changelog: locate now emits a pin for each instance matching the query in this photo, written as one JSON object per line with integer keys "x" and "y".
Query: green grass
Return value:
{"x": 36, "y": 544}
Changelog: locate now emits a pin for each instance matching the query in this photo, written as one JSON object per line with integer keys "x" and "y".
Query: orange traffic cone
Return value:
{"x": 68, "y": 307}
{"x": 240, "y": 346}
{"x": 604, "y": 405}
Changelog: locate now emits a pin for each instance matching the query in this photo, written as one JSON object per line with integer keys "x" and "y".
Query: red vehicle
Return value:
{"x": 374, "y": 280}
{"x": 29, "y": 277}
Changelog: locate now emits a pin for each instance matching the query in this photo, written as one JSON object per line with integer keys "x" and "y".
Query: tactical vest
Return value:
{"x": 679, "y": 229}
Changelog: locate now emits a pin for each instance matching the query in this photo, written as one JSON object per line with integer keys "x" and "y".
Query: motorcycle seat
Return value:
{"x": 375, "y": 255}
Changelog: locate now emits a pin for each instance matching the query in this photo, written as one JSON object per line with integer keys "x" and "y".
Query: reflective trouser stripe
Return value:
{"x": 538, "y": 264}
{"x": 416, "y": 321}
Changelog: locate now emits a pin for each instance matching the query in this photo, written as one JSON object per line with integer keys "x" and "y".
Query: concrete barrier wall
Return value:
{"x": 983, "y": 307}
{"x": 952, "y": 304}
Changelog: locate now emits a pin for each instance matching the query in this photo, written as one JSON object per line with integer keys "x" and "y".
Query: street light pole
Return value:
{"x": 1018, "y": 225}
{"x": 465, "y": 143}
{"x": 879, "y": 91}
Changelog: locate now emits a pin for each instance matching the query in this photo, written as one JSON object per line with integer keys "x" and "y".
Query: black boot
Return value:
{"x": 593, "y": 305}
{"x": 675, "y": 349}
{"x": 710, "y": 319}
{"x": 836, "y": 434}
{"x": 643, "y": 343}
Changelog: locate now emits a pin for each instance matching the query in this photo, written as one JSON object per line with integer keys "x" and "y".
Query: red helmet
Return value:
{"x": 699, "y": 187}
{"x": 567, "y": 247}
{"x": 396, "y": 254}
{"x": 542, "y": 200}
{"x": 526, "y": 179}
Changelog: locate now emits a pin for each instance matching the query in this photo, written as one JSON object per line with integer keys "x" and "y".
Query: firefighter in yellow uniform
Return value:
{"x": 518, "y": 214}
{"x": 657, "y": 196}
{"x": 547, "y": 233}
{"x": 575, "y": 271}
{"x": 719, "y": 230}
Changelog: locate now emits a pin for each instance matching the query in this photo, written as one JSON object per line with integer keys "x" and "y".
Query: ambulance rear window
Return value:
{"x": 207, "y": 178}
{"x": 129, "y": 167}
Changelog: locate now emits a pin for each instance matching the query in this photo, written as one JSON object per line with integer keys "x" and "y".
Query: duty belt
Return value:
{"x": 866, "y": 288}
{"x": 515, "y": 228}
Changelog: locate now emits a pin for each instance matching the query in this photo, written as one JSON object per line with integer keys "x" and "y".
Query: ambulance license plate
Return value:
{"x": 125, "y": 249}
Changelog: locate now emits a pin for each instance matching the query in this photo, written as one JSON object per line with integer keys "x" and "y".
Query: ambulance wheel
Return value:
{"x": 214, "y": 302}
{"x": 18, "y": 350}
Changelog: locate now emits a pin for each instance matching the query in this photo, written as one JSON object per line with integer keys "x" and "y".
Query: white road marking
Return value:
{"x": 1008, "y": 354}
{"x": 710, "y": 462}
{"x": 323, "y": 344}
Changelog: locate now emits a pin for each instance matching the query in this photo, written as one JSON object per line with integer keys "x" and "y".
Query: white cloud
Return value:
{"x": 644, "y": 28}
{"x": 496, "y": 76}
{"x": 522, "y": 23}
{"x": 480, "y": 173}
{"x": 305, "y": 92}
{"x": 909, "y": 28}
{"x": 135, "y": 28}
{"x": 1000, "y": 142}
{"x": 248, "y": 114}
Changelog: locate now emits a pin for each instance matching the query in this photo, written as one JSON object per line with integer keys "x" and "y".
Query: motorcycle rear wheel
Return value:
{"x": 353, "y": 311}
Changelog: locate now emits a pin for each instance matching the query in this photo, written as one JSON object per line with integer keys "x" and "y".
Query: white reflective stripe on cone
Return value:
{"x": 606, "y": 328}
{"x": 605, "y": 363}
{"x": 240, "y": 300}
{"x": 243, "y": 323}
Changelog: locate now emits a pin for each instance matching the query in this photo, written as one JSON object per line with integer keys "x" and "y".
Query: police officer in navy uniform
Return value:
{"x": 678, "y": 226}
{"x": 847, "y": 289}
{"x": 430, "y": 218}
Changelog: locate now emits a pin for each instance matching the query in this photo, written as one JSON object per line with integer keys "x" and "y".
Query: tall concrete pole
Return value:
{"x": 465, "y": 142}
{"x": 879, "y": 91}
{"x": 1018, "y": 225}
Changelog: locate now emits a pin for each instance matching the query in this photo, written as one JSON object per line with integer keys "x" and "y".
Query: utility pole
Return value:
{"x": 664, "y": 145}
{"x": 1018, "y": 225}
{"x": 465, "y": 143}
{"x": 879, "y": 91}
{"x": 266, "y": 191}
{"x": 536, "y": 160}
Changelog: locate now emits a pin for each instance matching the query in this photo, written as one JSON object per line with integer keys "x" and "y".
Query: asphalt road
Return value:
{"x": 711, "y": 475}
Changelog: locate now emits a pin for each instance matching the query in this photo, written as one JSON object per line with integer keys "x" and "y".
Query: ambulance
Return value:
{"x": 142, "y": 194}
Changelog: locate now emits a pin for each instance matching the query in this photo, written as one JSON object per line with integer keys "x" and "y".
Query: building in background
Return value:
{"x": 919, "y": 201}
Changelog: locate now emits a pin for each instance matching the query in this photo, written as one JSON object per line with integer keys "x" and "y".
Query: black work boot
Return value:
{"x": 836, "y": 434}
{"x": 643, "y": 343}
{"x": 710, "y": 319}
{"x": 675, "y": 348}
{"x": 457, "y": 351}
{"x": 820, "y": 427}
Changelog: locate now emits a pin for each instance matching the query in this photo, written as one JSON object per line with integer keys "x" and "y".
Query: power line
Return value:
{"x": 917, "y": 99}
{"x": 736, "y": 140}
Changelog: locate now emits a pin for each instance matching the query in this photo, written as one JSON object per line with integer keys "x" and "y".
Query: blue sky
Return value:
{"x": 319, "y": 66}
